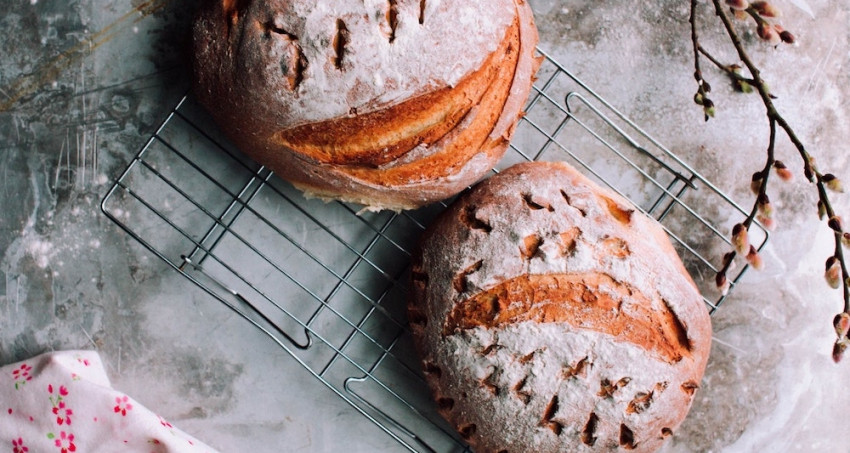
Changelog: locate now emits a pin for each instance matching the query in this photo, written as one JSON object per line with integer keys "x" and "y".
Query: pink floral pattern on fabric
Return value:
{"x": 62, "y": 391}
{"x": 21, "y": 375}
{"x": 81, "y": 412}
{"x": 60, "y": 409}
{"x": 83, "y": 360}
{"x": 62, "y": 413}
{"x": 165, "y": 423}
{"x": 64, "y": 442}
{"x": 122, "y": 405}
{"x": 18, "y": 446}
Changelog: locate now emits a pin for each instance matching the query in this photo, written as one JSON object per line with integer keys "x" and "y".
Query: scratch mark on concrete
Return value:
{"x": 95, "y": 153}
{"x": 818, "y": 70}
{"x": 33, "y": 217}
{"x": 51, "y": 70}
{"x": 86, "y": 333}
{"x": 17, "y": 130}
{"x": 133, "y": 80}
{"x": 59, "y": 163}
{"x": 68, "y": 156}
{"x": 85, "y": 117}
{"x": 84, "y": 154}
{"x": 17, "y": 295}
{"x": 728, "y": 345}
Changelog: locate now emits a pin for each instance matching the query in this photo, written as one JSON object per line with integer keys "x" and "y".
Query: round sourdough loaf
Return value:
{"x": 387, "y": 103}
{"x": 551, "y": 316}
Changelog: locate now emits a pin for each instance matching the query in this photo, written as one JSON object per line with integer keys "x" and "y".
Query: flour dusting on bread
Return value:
{"x": 559, "y": 318}
{"x": 357, "y": 100}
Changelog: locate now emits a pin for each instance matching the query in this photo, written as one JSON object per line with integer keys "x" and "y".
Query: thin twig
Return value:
{"x": 775, "y": 121}
{"x": 725, "y": 68}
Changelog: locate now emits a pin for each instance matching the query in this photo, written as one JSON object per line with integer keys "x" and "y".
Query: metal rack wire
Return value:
{"x": 328, "y": 283}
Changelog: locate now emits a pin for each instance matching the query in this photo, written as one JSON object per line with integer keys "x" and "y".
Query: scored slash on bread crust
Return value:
{"x": 539, "y": 298}
{"x": 390, "y": 104}
{"x": 421, "y": 120}
{"x": 551, "y": 316}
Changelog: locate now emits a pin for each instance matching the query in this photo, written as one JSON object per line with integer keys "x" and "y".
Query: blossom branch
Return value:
{"x": 763, "y": 13}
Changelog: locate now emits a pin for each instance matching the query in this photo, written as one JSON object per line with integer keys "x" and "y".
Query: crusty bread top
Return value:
{"x": 551, "y": 316}
{"x": 508, "y": 230}
{"x": 317, "y": 60}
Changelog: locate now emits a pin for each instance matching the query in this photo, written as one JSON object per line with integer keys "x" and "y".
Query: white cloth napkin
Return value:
{"x": 62, "y": 402}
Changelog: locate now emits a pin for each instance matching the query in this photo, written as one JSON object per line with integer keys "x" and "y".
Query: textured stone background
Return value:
{"x": 84, "y": 83}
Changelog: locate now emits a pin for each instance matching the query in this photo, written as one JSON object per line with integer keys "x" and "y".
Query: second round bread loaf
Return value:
{"x": 551, "y": 316}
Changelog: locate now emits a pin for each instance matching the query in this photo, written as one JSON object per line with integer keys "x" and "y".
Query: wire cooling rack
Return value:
{"x": 327, "y": 283}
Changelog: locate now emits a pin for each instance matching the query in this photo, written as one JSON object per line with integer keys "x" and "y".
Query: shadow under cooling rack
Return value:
{"x": 327, "y": 282}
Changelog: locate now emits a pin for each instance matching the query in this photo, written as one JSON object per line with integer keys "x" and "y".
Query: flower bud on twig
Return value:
{"x": 743, "y": 86}
{"x": 845, "y": 240}
{"x": 832, "y": 183}
{"x": 782, "y": 171}
{"x": 839, "y": 348}
{"x": 740, "y": 239}
{"x": 756, "y": 183}
{"x": 765, "y": 209}
{"x": 767, "y": 33}
{"x": 722, "y": 283}
{"x": 833, "y": 272}
{"x": 836, "y": 224}
{"x": 786, "y": 36}
{"x": 699, "y": 98}
{"x": 729, "y": 261}
{"x": 766, "y": 9}
{"x": 841, "y": 322}
{"x": 767, "y": 222}
{"x": 738, "y": 81}
{"x": 708, "y": 108}
{"x": 764, "y": 206}
{"x": 738, "y": 5}
{"x": 754, "y": 259}
{"x": 766, "y": 89}
{"x": 821, "y": 210}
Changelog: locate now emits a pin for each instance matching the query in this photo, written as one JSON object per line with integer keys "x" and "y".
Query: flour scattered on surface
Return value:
{"x": 41, "y": 252}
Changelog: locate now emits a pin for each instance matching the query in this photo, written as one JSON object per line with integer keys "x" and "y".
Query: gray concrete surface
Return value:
{"x": 84, "y": 83}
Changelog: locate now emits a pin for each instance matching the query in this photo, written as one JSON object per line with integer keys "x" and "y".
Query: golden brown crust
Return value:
{"x": 596, "y": 304}
{"x": 385, "y": 129}
{"x": 552, "y": 316}
{"x": 378, "y": 138}
{"x": 471, "y": 139}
